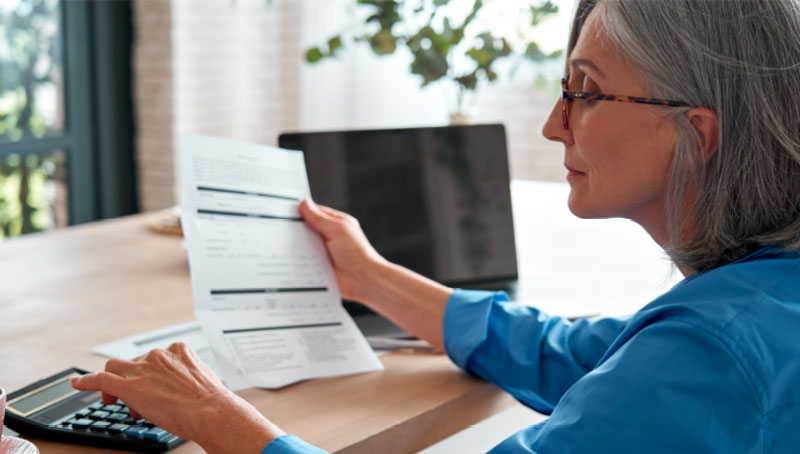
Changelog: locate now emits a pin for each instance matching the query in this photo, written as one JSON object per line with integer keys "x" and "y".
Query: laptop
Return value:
{"x": 435, "y": 200}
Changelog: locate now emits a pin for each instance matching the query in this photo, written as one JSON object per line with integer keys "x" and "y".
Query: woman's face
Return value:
{"x": 617, "y": 154}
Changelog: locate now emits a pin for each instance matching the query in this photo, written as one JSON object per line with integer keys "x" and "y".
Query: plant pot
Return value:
{"x": 459, "y": 118}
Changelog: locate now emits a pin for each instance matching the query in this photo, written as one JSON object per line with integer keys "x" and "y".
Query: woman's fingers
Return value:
{"x": 317, "y": 218}
{"x": 108, "y": 399}
{"x": 106, "y": 382}
{"x": 134, "y": 415}
{"x": 309, "y": 209}
{"x": 121, "y": 367}
{"x": 336, "y": 214}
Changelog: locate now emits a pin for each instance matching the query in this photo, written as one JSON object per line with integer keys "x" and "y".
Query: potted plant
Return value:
{"x": 459, "y": 50}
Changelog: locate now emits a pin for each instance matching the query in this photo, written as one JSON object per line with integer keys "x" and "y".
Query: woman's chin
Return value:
{"x": 580, "y": 207}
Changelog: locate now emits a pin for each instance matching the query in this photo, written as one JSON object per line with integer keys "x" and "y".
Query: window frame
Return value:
{"x": 98, "y": 135}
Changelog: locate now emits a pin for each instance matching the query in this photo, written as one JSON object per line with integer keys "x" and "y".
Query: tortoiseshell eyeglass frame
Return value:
{"x": 569, "y": 95}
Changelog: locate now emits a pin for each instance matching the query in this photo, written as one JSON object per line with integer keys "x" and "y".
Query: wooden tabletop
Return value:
{"x": 62, "y": 293}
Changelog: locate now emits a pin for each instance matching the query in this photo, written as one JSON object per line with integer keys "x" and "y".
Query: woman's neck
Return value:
{"x": 656, "y": 226}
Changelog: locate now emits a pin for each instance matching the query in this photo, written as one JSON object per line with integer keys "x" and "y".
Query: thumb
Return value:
{"x": 315, "y": 217}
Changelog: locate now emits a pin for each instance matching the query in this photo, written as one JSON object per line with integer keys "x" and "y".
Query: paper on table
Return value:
{"x": 139, "y": 344}
{"x": 263, "y": 287}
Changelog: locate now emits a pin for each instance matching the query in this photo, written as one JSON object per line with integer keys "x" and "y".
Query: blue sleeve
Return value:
{"x": 673, "y": 387}
{"x": 533, "y": 356}
{"x": 289, "y": 444}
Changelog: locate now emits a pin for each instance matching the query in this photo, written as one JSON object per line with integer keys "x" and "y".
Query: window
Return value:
{"x": 66, "y": 148}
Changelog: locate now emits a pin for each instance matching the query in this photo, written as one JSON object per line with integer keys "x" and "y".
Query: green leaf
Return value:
{"x": 468, "y": 81}
{"x": 475, "y": 8}
{"x": 429, "y": 64}
{"x": 538, "y": 13}
{"x": 481, "y": 56}
{"x": 383, "y": 42}
{"x": 334, "y": 44}
{"x": 486, "y": 55}
{"x": 438, "y": 42}
{"x": 387, "y": 15}
{"x": 534, "y": 53}
{"x": 452, "y": 36}
{"x": 313, "y": 55}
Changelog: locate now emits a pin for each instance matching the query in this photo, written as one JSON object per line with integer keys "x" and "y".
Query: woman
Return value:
{"x": 711, "y": 169}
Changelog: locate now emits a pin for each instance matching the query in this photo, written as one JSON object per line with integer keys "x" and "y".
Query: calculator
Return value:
{"x": 53, "y": 409}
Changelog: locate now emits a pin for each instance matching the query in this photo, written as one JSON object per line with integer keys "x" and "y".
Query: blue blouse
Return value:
{"x": 713, "y": 365}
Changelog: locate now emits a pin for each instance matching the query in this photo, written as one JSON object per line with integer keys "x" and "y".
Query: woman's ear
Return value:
{"x": 706, "y": 122}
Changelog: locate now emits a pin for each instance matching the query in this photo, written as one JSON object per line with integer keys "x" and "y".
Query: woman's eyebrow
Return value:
{"x": 577, "y": 63}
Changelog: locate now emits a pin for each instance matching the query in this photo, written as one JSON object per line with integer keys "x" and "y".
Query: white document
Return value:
{"x": 264, "y": 290}
{"x": 139, "y": 344}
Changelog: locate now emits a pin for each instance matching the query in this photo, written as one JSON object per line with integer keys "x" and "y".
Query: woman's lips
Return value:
{"x": 573, "y": 171}
{"x": 573, "y": 174}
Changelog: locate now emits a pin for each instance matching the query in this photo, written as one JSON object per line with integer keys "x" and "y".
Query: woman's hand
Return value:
{"x": 175, "y": 390}
{"x": 412, "y": 301}
{"x": 352, "y": 256}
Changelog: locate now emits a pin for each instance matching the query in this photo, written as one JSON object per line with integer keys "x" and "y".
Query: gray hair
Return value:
{"x": 741, "y": 59}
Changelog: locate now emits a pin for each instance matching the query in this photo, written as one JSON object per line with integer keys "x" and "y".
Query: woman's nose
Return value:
{"x": 553, "y": 128}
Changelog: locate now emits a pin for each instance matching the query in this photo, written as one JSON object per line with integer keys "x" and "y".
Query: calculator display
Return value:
{"x": 43, "y": 397}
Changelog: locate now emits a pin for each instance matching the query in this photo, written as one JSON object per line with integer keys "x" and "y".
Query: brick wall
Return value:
{"x": 219, "y": 67}
{"x": 153, "y": 103}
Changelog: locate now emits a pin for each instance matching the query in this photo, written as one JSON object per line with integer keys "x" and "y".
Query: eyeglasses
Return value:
{"x": 568, "y": 95}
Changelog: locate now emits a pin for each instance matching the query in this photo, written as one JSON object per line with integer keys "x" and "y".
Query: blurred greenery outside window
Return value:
{"x": 66, "y": 116}
{"x": 32, "y": 184}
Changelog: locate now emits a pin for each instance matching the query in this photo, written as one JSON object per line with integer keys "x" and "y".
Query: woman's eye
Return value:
{"x": 588, "y": 86}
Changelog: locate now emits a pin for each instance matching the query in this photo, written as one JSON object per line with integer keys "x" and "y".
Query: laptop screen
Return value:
{"x": 435, "y": 200}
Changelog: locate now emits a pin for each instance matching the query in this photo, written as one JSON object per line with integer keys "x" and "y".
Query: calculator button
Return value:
{"x": 156, "y": 433}
{"x": 136, "y": 431}
{"x": 118, "y": 428}
{"x": 112, "y": 408}
{"x": 82, "y": 423}
{"x": 99, "y": 414}
{"x": 116, "y": 417}
{"x": 95, "y": 406}
{"x": 124, "y": 409}
{"x": 145, "y": 423}
{"x": 83, "y": 413}
{"x": 100, "y": 426}
{"x": 129, "y": 421}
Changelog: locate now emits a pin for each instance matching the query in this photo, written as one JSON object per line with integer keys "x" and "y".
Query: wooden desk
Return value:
{"x": 63, "y": 293}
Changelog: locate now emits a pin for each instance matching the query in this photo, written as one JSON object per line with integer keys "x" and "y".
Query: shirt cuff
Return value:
{"x": 289, "y": 444}
{"x": 466, "y": 321}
